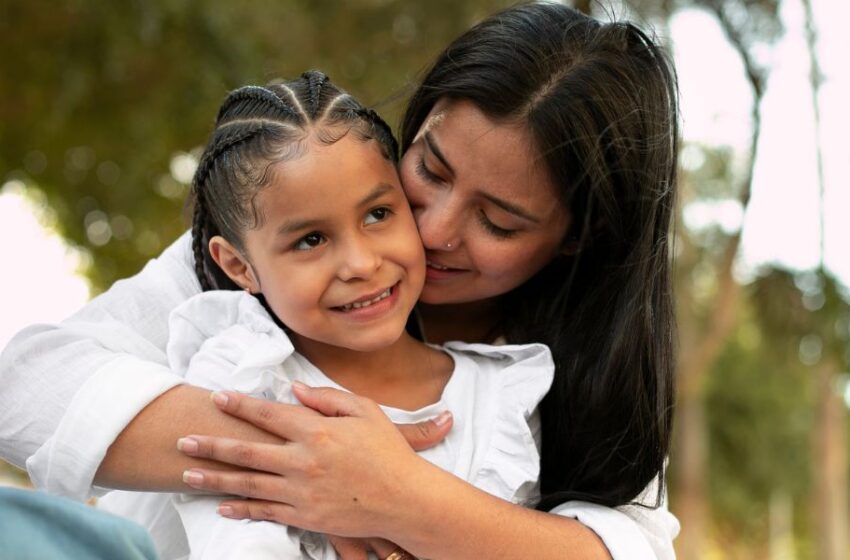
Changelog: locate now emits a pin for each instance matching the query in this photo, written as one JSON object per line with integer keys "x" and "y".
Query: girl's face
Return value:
{"x": 488, "y": 215}
{"x": 337, "y": 256}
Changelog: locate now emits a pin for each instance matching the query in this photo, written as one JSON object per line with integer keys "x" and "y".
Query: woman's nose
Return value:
{"x": 439, "y": 225}
{"x": 358, "y": 260}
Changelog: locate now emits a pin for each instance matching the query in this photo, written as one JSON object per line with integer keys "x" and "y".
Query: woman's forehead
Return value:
{"x": 485, "y": 152}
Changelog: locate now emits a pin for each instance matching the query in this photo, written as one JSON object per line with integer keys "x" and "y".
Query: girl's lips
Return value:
{"x": 369, "y": 307}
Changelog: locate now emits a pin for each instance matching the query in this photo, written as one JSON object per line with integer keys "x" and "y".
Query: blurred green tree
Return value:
{"x": 100, "y": 99}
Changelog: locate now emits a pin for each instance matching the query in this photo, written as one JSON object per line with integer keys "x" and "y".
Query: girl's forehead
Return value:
{"x": 328, "y": 174}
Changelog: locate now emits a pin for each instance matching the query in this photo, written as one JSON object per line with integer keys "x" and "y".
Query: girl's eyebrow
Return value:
{"x": 292, "y": 226}
{"x": 380, "y": 190}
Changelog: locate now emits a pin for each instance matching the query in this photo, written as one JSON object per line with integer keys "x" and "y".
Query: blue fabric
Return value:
{"x": 34, "y": 525}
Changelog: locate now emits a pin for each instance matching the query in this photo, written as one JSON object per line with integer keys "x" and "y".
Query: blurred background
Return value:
{"x": 104, "y": 107}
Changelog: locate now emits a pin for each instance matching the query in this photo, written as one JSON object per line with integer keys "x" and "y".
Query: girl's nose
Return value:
{"x": 359, "y": 260}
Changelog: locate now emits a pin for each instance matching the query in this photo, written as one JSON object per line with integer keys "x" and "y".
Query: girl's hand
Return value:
{"x": 344, "y": 470}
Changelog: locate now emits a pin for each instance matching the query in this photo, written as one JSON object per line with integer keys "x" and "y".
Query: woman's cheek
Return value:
{"x": 507, "y": 264}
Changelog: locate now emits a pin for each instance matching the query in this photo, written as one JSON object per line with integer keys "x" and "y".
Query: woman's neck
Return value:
{"x": 406, "y": 374}
{"x": 476, "y": 321}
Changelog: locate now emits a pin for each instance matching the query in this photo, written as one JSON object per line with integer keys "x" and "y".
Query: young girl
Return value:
{"x": 312, "y": 263}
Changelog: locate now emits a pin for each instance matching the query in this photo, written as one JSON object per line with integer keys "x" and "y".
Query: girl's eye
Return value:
{"x": 493, "y": 229}
{"x": 377, "y": 215}
{"x": 426, "y": 173}
{"x": 310, "y": 241}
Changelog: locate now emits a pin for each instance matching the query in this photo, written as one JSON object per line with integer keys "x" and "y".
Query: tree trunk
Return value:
{"x": 830, "y": 454}
{"x": 701, "y": 347}
{"x": 690, "y": 453}
{"x": 690, "y": 460}
{"x": 830, "y": 467}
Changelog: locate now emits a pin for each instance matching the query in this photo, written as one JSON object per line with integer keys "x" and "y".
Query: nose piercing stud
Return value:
{"x": 448, "y": 245}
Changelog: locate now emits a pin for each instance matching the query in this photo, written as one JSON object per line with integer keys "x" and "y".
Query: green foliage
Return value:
{"x": 760, "y": 399}
{"x": 98, "y": 97}
{"x": 760, "y": 394}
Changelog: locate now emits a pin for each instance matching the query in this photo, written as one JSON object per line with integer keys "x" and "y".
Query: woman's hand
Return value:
{"x": 358, "y": 549}
{"x": 343, "y": 470}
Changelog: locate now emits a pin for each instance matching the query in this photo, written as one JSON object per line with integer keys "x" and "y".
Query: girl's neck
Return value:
{"x": 406, "y": 374}
{"x": 476, "y": 321}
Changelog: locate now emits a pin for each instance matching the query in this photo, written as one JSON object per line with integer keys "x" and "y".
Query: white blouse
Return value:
{"x": 227, "y": 340}
{"x": 69, "y": 389}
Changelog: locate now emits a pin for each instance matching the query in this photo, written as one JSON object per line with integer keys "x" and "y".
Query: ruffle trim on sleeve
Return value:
{"x": 227, "y": 340}
{"x": 510, "y": 467}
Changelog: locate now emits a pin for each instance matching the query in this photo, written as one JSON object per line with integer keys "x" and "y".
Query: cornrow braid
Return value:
{"x": 253, "y": 101}
{"x": 202, "y": 228}
{"x": 384, "y": 133}
{"x": 315, "y": 81}
{"x": 223, "y": 142}
{"x": 256, "y": 128}
{"x": 199, "y": 239}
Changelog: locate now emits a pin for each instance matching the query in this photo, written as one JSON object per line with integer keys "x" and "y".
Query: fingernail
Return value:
{"x": 300, "y": 386}
{"x": 219, "y": 398}
{"x": 187, "y": 445}
{"x": 225, "y": 511}
{"x": 443, "y": 418}
{"x": 193, "y": 478}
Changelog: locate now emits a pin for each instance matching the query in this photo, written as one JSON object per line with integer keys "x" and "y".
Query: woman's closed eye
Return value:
{"x": 377, "y": 215}
{"x": 423, "y": 171}
{"x": 310, "y": 241}
{"x": 493, "y": 229}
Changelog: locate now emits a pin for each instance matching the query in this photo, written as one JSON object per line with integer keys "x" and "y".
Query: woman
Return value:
{"x": 539, "y": 160}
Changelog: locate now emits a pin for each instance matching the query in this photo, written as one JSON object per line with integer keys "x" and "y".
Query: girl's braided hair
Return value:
{"x": 256, "y": 128}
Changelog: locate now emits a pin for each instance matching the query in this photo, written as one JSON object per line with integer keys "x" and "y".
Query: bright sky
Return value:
{"x": 39, "y": 282}
{"x": 782, "y": 224}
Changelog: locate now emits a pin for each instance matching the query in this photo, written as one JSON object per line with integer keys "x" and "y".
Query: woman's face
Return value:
{"x": 487, "y": 211}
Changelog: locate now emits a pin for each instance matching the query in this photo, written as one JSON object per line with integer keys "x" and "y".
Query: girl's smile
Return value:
{"x": 372, "y": 306}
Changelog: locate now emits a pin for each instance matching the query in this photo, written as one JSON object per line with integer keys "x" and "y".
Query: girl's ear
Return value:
{"x": 236, "y": 266}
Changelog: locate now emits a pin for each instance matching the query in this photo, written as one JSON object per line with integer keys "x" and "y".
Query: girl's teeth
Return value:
{"x": 438, "y": 267}
{"x": 358, "y": 305}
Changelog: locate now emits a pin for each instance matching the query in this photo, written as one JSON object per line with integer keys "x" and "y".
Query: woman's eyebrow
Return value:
{"x": 511, "y": 208}
{"x": 432, "y": 146}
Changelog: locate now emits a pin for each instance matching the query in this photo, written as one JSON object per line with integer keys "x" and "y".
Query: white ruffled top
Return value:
{"x": 227, "y": 340}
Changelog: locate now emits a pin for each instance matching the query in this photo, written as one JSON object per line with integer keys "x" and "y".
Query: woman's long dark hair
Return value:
{"x": 600, "y": 102}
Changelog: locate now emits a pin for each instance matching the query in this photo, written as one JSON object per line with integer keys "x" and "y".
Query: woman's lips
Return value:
{"x": 438, "y": 271}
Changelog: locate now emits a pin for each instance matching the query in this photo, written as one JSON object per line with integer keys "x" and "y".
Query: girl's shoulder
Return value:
{"x": 515, "y": 376}
{"x": 501, "y": 356}
{"x": 497, "y": 391}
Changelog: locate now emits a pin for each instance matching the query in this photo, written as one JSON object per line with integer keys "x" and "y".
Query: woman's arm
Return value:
{"x": 70, "y": 389}
{"x": 145, "y": 455}
{"x": 349, "y": 475}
